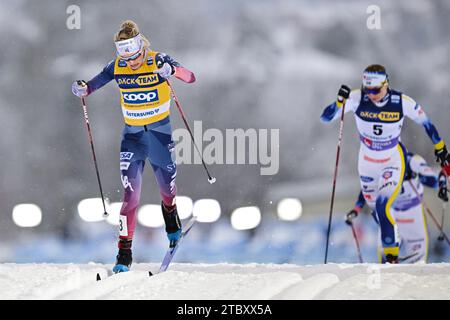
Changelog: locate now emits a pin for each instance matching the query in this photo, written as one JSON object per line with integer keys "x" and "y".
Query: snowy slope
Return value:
{"x": 227, "y": 281}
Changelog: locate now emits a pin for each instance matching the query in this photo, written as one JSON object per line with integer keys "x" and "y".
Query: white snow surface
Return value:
{"x": 226, "y": 281}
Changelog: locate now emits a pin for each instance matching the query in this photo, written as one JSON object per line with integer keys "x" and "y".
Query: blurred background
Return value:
{"x": 259, "y": 64}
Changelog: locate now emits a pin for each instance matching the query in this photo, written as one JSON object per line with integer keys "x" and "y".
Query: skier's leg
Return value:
{"x": 132, "y": 162}
{"x": 162, "y": 159}
{"x": 379, "y": 246}
{"x": 389, "y": 185}
{"x": 413, "y": 233}
{"x": 369, "y": 170}
{"x": 131, "y": 176}
{"x": 131, "y": 179}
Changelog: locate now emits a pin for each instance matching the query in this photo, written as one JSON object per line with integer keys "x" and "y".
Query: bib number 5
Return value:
{"x": 377, "y": 129}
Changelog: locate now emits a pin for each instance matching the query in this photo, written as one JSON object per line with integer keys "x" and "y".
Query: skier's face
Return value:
{"x": 135, "y": 61}
{"x": 376, "y": 94}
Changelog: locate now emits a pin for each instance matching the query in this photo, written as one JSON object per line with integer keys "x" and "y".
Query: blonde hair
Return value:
{"x": 129, "y": 29}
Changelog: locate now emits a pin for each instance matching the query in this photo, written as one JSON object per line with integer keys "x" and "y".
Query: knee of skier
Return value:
{"x": 132, "y": 189}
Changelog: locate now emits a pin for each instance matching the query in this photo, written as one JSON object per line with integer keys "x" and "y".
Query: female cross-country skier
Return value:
{"x": 379, "y": 114}
{"x": 141, "y": 75}
{"x": 408, "y": 209}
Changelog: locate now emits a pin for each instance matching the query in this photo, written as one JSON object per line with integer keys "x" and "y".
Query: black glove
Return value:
{"x": 443, "y": 191}
{"x": 344, "y": 93}
{"x": 350, "y": 216}
{"x": 442, "y": 156}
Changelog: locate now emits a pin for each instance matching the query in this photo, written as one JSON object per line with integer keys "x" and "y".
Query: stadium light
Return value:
{"x": 289, "y": 209}
{"x": 184, "y": 206}
{"x": 245, "y": 218}
{"x": 91, "y": 209}
{"x": 27, "y": 215}
{"x": 206, "y": 210}
{"x": 114, "y": 213}
{"x": 150, "y": 215}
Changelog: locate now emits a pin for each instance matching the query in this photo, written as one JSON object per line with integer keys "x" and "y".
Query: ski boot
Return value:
{"x": 124, "y": 257}
{"x": 392, "y": 259}
{"x": 173, "y": 224}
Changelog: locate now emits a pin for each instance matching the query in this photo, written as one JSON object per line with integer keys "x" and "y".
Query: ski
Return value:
{"x": 171, "y": 251}
{"x": 402, "y": 259}
{"x": 169, "y": 254}
{"x": 109, "y": 273}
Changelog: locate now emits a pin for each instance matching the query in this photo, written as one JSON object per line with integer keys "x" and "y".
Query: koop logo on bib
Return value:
{"x": 139, "y": 97}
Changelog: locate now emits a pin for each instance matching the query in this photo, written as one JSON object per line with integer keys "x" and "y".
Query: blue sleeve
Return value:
{"x": 418, "y": 166}
{"x": 431, "y": 131}
{"x": 430, "y": 181}
{"x": 414, "y": 111}
{"x": 102, "y": 78}
{"x": 329, "y": 113}
{"x": 361, "y": 201}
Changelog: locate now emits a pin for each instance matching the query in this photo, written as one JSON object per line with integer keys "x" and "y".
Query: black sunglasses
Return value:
{"x": 372, "y": 90}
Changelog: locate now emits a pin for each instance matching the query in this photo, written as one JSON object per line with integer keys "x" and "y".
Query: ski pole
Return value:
{"x": 355, "y": 236}
{"x": 211, "y": 179}
{"x": 341, "y": 129}
{"x": 429, "y": 212}
{"x": 88, "y": 126}
{"x": 441, "y": 235}
{"x": 444, "y": 207}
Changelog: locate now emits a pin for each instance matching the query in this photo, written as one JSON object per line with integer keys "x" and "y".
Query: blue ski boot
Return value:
{"x": 124, "y": 257}
{"x": 173, "y": 224}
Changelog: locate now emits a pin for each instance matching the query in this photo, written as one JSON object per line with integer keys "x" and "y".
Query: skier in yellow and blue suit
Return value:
{"x": 141, "y": 75}
{"x": 379, "y": 114}
{"x": 408, "y": 209}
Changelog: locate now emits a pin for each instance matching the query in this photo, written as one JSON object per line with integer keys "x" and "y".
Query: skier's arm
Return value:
{"x": 105, "y": 76}
{"x": 334, "y": 110}
{"x": 357, "y": 209}
{"x": 168, "y": 67}
{"x": 426, "y": 175}
{"x": 414, "y": 111}
{"x": 360, "y": 202}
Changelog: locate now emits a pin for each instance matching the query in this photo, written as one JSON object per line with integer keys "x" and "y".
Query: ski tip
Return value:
{"x": 212, "y": 180}
{"x": 150, "y": 273}
{"x": 98, "y": 277}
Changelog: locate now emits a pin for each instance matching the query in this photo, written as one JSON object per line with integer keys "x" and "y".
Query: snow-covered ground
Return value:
{"x": 226, "y": 281}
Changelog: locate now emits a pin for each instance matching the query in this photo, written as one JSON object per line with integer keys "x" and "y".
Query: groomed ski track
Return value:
{"x": 226, "y": 281}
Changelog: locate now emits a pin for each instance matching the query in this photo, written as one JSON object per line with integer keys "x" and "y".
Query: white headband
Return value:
{"x": 373, "y": 79}
{"x": 129, "y": 46}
